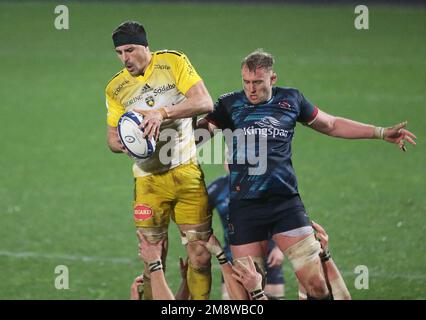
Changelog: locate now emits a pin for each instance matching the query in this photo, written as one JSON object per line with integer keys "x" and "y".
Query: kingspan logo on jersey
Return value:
{"x": 268, "y": 127}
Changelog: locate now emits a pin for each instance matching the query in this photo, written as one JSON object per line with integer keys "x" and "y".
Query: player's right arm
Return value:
{"x": 115, "y": 111}
{"x": 114, "y": 142}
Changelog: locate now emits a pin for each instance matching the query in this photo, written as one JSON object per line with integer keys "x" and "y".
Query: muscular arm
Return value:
{"x": 341, "y": 127}
{"x": 349, "y": 129}
{"x": 198, "y": 102}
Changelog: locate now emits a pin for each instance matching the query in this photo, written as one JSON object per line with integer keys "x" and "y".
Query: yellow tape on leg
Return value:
{"x": 199, "y": 282}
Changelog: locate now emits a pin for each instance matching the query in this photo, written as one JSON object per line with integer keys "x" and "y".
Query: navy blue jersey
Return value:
{"x": 273, "y": 121}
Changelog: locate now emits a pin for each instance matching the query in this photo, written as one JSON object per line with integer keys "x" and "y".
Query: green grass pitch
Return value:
{"x": 66, "y": 200}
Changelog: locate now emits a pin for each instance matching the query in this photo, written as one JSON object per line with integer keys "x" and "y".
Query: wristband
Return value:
{"x": 155, "y": 266}
{"x": 379, "y": 133}
{"x": 325, "y": 256}
{"x": 221, "y": 257}
{"x": 257, "y": 294}
{"x": 163, "y": 113}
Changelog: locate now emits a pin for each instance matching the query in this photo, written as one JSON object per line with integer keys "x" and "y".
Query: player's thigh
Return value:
{"x": 152, "y": 205}
{"x": 191, "y": 207}
{"x": 254, "y": 249}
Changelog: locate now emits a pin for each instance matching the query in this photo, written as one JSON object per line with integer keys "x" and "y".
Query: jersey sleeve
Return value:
{"x": 308, "y": 111}
{"x": 115, "y": 110}
{"x": 219, "y": 116}
{"x": 185, "y": 74}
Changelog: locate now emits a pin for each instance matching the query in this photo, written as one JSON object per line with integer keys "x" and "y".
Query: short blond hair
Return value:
{"x": 258, "y": 59}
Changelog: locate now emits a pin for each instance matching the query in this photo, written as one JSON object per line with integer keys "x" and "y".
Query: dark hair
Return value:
{"x": 129, "y": 32}
{"x": 258, "y": 59}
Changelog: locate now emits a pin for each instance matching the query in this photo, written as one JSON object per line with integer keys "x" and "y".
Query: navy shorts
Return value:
{"x": 256, "y": 220}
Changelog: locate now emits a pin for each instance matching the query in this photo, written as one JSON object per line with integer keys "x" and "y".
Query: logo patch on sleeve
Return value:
{"x": 142, "y": 212}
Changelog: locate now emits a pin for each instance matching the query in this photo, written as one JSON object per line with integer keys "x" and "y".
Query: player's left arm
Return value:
{"x": 198, "y": 101}
{"x": 350, "y": 129}
{"x": 190, "y": 84}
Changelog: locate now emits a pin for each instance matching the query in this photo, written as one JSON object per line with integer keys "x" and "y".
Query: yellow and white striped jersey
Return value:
{"x": 166, "y": 80}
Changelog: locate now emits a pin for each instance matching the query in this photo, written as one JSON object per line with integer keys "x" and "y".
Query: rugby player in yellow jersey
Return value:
{"x": 166, "y": 89}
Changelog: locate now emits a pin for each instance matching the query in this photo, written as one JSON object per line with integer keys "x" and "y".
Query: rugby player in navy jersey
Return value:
{"x": 218, "y": 192}
{"x": 265, "y": 203}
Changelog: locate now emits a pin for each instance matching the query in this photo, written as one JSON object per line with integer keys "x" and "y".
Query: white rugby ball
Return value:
{"x": 131, "y": 136}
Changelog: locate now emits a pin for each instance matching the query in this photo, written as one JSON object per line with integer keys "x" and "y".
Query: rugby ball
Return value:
{"x": 131, "y": 136}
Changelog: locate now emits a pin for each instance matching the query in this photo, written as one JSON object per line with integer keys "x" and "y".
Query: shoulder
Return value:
{"x": 116, "y": 83}
{"x": 169, "y": 55}
{"x": 287, "y": 91}
{"x": 230, "y": 97}
{"x": 168, "y": 52}
{"x": 171, "y": 60}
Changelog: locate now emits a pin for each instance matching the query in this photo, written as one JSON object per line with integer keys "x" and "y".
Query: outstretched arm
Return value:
{"x": 349, "y": 129}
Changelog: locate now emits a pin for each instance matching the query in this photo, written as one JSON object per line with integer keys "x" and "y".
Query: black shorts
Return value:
{"x": 256, "y": 220}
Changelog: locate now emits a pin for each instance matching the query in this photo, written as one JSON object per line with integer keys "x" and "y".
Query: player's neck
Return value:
{"x": 145, "y": 67}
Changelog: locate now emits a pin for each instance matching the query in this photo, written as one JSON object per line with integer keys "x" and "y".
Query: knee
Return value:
{"x": 198, "y": 255}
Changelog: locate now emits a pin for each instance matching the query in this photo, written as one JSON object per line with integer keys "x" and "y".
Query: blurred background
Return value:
{"x": 65, "y": 199}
